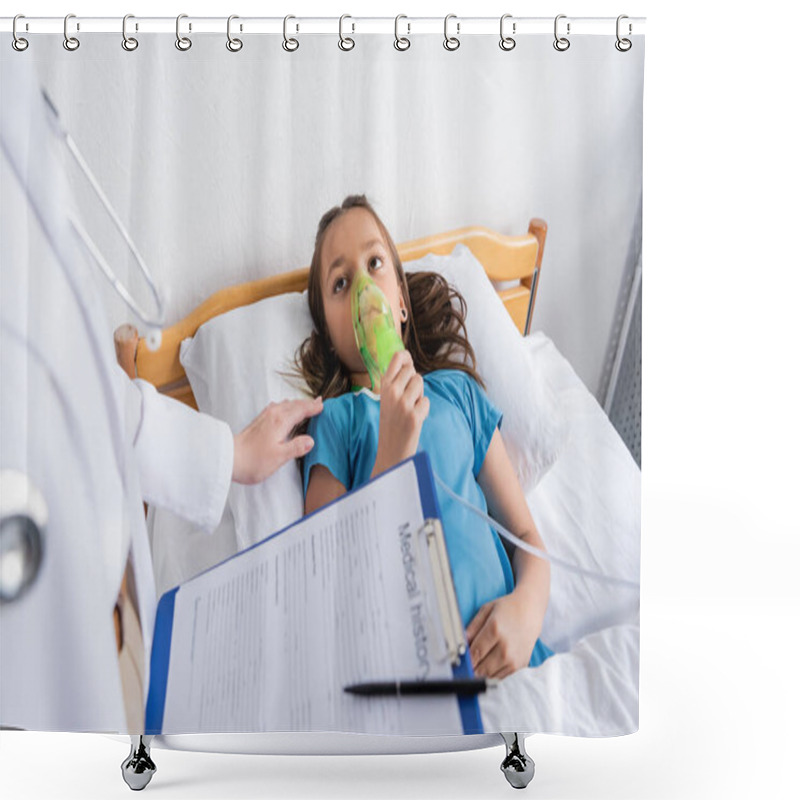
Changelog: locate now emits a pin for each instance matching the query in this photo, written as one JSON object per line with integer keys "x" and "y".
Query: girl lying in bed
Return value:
{"x": 431, "y": 398}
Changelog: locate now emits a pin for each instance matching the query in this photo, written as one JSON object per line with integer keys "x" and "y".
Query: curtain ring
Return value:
{"x": 234, "y": 45}
{"x": 623, "y": 45}
{"x": 451, "y": 42}
{"x": 183, "y": 43}
{"x": 561, "y": 43}
{"x": 401, "y": 43}
{"x": 18, "y": 43}
{"x": 70, "y": 42}
{"x": 128, "y": 42}
{"x": 507, "y": 42}
{"x": 289, "y": 45}
{"x": 346, "y": 43}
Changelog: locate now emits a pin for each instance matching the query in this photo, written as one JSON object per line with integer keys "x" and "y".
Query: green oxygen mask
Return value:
{"x": 373, "y": 323}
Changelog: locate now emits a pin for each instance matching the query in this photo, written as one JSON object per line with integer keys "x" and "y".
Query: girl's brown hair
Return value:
{"x": 434, "y": 332}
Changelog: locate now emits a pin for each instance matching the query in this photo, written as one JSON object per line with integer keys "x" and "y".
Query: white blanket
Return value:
{"x": 592, "y": 690}
{"x": 587, "y": 508}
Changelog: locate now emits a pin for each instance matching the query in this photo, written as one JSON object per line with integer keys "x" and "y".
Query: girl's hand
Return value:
{"x": 404, "y": 408}
{"x": 502, "y": 635}
{"x": 264, "y": 445}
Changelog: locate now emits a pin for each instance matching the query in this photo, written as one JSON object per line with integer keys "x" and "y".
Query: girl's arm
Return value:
{"x": 322, "y": 488}
{"x": 503, "y": 633}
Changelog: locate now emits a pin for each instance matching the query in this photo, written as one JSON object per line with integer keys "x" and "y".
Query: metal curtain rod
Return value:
{"x": 461, "y": 26}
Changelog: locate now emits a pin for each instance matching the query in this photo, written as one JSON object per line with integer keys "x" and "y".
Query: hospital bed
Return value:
{"x": 581, "y": 483}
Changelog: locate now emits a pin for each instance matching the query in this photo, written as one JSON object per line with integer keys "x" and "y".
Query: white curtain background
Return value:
{"x": 221, "y": 164}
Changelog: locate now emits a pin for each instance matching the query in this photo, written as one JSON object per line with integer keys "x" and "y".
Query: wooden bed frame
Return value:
{"x": 515, "y": 259}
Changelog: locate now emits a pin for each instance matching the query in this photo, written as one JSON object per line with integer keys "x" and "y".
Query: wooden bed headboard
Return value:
{"x": 514, "y": 259}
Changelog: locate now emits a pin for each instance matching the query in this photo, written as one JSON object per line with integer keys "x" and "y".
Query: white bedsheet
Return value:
{"x": 592, "y": 690}
{"x": 587, "y": 508}
{"x": 588, "y": 511}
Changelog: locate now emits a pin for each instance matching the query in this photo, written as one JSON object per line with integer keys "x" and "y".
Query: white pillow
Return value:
{"x": 534, "y": 429}
{"x": 233, "y": 364}
{"x": 234, "y": 360}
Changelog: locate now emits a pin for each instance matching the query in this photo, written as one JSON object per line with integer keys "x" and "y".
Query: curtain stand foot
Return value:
{"x": 138, "y": 768}
{"x": 517, "y": 766}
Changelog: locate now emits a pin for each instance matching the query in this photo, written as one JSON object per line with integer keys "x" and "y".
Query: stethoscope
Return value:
{"x": 23, "y": 520}
{"x": 152, "y": 324}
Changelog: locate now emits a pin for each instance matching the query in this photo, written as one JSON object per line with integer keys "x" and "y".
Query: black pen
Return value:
{"x": 460, "y": 686}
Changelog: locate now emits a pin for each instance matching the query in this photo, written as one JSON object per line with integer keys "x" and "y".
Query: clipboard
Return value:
{"x": 321, "y": 543}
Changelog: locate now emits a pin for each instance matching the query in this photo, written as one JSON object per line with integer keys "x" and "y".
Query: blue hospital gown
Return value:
{"x": 456, "y": 436}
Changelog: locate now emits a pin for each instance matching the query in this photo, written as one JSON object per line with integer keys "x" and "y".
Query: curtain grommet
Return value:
{"x": 289, "y": 44}
{"x": 401, "y": 43}
{"x": 451, "y": 43}
{"x": 561, "y": 43}
{"x": 183, "y": 43}
{"x": 623, "y": 44}
{"x": 233, "y": 44}
{"x": 346, "y": 43}
{"x": 18, "y": 42}
{"x": 507, "y": 43}
{"x": 71, "y": 43}
{"x": 129, "y": 43}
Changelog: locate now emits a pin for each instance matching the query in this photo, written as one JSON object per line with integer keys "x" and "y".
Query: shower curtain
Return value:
{"x": 220, "y": 162}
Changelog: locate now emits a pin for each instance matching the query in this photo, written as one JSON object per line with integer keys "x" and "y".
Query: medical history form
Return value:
{"x": 358, "y": 591}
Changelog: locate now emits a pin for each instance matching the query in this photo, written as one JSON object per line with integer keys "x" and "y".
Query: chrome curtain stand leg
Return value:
{"x": 138, "y": 768}
{"x": 517, "y": 766}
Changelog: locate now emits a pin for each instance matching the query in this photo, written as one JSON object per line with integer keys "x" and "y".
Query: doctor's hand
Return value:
{"x": 502, "y": 635}
{"x": 265, "y": 444}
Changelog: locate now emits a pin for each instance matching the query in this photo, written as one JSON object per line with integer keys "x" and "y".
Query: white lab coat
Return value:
{"x": 94, "y": 443}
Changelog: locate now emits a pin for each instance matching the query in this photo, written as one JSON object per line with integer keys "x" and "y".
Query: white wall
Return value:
{"x": 222, "y": 164}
